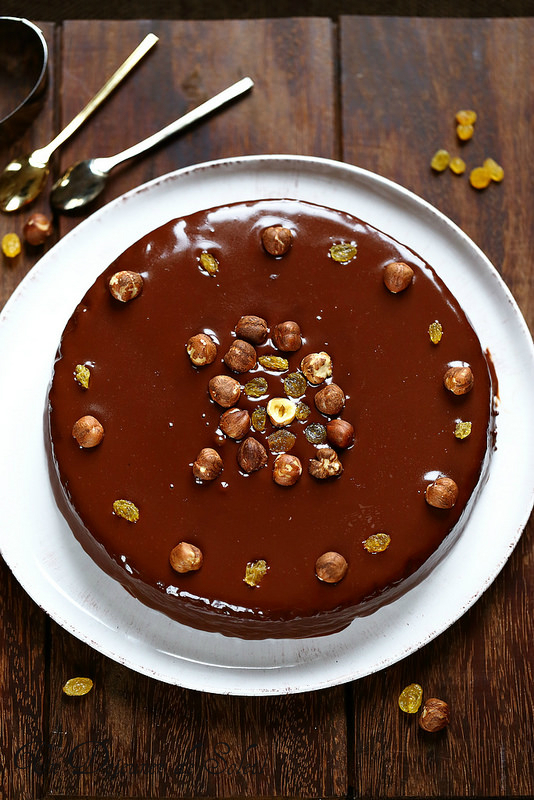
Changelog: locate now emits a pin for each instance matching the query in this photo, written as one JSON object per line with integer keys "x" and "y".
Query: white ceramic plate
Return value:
{"x": 43, "y": 554}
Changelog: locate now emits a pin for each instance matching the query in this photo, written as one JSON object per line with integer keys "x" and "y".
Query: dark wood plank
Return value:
{"x": 23, "y": 631}
{"x": 145, "y": 738}
{"x": 402, "y": 82}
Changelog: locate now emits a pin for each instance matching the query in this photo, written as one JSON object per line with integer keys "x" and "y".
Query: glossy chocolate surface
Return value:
{"x": 157, "y": 415}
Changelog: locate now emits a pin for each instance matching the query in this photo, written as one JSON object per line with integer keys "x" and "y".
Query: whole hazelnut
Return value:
{"x": 340, "y": 433}
{"x": 326, "y": 464}
{"x": 201, "y": 349}
{"x": 125, "y": 285}
{"x": 185, "y": 557}
{"x": 435, "y": 715}
{"x": 277, "y": 240}
{"x": 253, "y": 329}
{"x": 287, "y": 469}
{"x": 316, "y": 367}
{"x": 330, "y": 400}
{"x": 208, "y": 465}
{"x": 241, "y": 357}
{"x": 442, "y": 493}
{"x": 331, "y": 567}
{"x": 88, "y": 431}
{"x": 287, "y": 337}
{"x": 251, "y": 455}
{"x": 459, "y": 380}
{"x": 224, "y": 390}
{"x": 397, "y": 276}
{"x": 37, "y": 229}
{"x": 235, "y": 423}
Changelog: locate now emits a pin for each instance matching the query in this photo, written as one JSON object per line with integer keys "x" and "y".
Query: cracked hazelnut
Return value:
{"x": 185, "y": 557}
{"x": 330, "y": 400}
{"x": 88, "y": 431}
{"x": 277, "y": 240}
{"x": 326, "y": 464}
{"x": 442, "y": 493}
{"x": 241, "y": 357}
{"x": 208, "y": 465}
{"x": 287, "y": 470}
{"x": 125, "y": 285}
{"x": 281, "y": 411}
{"x": 224, "y": 390}
{"x": 235, "y": 423}
{"x": 331, "y": 567}
{"x": 397, "y": 276}
{"x": 316, "y": 367}
{"x": 340, "y": 433}
{"x": 201, "y": 349}
{"x": 251, "y": 455}
{"x": 253, "y": 329}
{"x": 37, "y": 229}
{"x": 287, "y": 337}
{"x": 435, "y": 715}
{"x": 459, "y": 380}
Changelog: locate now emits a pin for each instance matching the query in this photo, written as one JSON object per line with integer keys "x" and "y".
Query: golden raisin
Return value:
{"x": 440, "y": 160}
{"x": 435, "y": 331}
{"x": 259, "y": 418}
{"x": 377, "y": 542}
{"x": 295, "y": 384}
{"x": 315, "y": 433}
{"x": 302, "y": 412}
{"x": 466, "y": 117}
{"x": 495, "y": 170}
{"x": 255, "y": 571}
{"x": 457, "y": 165}
{"x": 76, "y": 687}
{"x": 410, "y": 698}
{"x": 11, "y": 245}
{"x": 82, "y": 374}
{"x": 126, "y": 509}
{"x": 209, "y": 263}
{"x": 464, "y": 132}
{"x": 281, "y": 441}
{"x": 276, "y": 363}
{"x": 480, "y": 177}
{"x": 344, "y": 252}
{"x": 462, "y": 430}
{"x": 256, "y": 387}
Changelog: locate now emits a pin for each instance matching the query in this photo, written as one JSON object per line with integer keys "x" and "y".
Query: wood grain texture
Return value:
{"x": 400, "y": 92}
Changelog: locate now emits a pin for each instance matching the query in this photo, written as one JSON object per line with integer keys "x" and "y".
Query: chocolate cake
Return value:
{"x": 268, "y": 418}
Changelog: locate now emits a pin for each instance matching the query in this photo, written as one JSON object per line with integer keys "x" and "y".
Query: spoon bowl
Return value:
{"x": 80, "y": 185}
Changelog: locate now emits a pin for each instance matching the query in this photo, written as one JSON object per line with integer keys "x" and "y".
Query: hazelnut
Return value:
{"x": 287, "y": 337}
{"x": 88, "y": 431}
{"x": 434, "y": 716}
{"x": 224, "y": 390}
{"x": 331, "y": 567}
{"x": 125, "y": 285}
{"x": 281, "y": 411}
{"x": 340, "y": 433}
{"x": 459, "y": 380}
{"x": 277, "y": 240}
{"x": 208, "y": 465}
{"x": 37, "y": 229}
{"x": 235, "y": 423}
{"x": 316, "y": 367}
{"x": 442, "y": 493}
{"x": 398, "y": 276}
{"x": 330, "y": 400}
{"x": 201, "y": 349}
{"x": 253, "y": 329}
{"x": 287, "y": 470}
{"x": 241, "y": 357}
{"x": 185, "y": 557}
{"x": 326, "y": 464}
{"x": 251, "y": 455}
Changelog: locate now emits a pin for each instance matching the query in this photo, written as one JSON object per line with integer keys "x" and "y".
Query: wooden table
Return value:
{"x": 380, "y": 93}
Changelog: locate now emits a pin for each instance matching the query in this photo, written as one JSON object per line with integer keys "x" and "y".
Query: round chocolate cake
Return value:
{"x": 268, "y": 418}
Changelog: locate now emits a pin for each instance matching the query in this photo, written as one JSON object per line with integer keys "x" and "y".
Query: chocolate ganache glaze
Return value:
{"x": 157, "y": 415}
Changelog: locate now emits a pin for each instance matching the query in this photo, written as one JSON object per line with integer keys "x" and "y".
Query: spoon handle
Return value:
{"x": 140, "y": 51}
{"x": 230, "y": 93}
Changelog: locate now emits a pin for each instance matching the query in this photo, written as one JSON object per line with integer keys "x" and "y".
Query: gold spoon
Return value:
{"x": 24, "y": 178}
